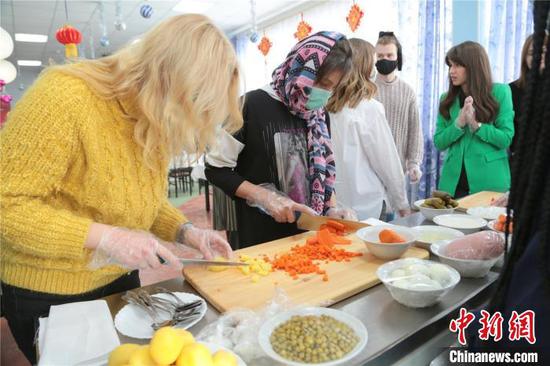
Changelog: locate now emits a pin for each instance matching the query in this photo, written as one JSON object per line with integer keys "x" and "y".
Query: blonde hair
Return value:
{"x": 357, "y": 86}
{"x": 180, "y": 83}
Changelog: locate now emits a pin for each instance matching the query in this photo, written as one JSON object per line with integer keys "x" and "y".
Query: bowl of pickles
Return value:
{"x": 440, "y": 203}
{"x": 313, "y": 336}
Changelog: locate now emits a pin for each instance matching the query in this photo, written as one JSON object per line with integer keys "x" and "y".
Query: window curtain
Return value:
{"x": 508, "y": 23}
{"x": 434, "y": 41}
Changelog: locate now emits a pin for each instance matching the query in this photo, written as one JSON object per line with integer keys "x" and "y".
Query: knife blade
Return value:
{"x": 199, "y": 262}
{"x": 309, "y": 222}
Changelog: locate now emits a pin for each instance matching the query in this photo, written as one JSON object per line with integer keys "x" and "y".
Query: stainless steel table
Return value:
{"x": 395, "y": 331}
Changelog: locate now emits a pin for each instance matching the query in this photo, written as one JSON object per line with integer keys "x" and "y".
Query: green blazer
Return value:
{"x": 484, "y": 152}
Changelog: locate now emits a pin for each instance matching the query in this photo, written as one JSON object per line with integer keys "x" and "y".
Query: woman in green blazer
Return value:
{"x": 475, "y": 124}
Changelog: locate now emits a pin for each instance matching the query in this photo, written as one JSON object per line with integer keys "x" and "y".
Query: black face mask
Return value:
{"x": 386, "y": 67}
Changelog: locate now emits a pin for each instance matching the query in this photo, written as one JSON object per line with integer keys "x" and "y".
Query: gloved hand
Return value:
{"x": 340, "y": 211}
{"x": 502, "y": 201}
{"x": 276, "y": 204}
{"x": 130, "y": 249}
{"x": 209, "y": 242}
{"x": 414, "y": 172}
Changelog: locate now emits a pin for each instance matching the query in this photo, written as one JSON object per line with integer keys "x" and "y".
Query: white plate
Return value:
{"x": 487, "y": 212}
{"x": 439, "y": 233}
{"x": 466, "y": 223}
{"x": 134, "y": 322}
{"x": 269, "y": 326}
{"x": 214, "y": 348}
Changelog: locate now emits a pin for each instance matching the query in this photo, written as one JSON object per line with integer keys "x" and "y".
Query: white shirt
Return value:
{"x": 368, "y": 168}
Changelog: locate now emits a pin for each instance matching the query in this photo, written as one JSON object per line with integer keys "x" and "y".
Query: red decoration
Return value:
{"x": 354, "y": 17}
{"x": 70, "y": 37}
{"x": 303, "y": 30}
{"x": 265, "y": 45}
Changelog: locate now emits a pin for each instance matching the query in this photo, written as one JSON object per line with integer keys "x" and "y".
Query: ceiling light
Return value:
{"x": 26, "y": 37}
{"x": 29, "y": 63}
{"x": 188, "y": 6}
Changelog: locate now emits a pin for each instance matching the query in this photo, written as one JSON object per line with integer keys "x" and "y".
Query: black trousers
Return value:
{"x": 22, "y": 308}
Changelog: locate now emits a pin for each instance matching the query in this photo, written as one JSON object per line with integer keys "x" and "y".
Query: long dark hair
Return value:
{"x": 522, "y": 80}
{"x": 530, "y": 191}
{"x": 479, "y": 82}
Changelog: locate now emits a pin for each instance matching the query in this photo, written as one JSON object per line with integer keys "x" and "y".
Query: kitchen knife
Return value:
{"x": 309, "y": 222}
{"x": 205, "y": 262}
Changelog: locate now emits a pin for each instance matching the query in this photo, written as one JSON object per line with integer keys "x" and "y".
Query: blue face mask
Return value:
{"x": 318, "y": 98}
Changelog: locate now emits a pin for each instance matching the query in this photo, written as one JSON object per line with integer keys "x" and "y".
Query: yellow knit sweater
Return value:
{"x": 68, "y": 158}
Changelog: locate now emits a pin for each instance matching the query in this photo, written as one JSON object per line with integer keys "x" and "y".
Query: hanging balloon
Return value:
{"x": 146, "y": 11}
{"x": 104, "y": 41}
{"x": 8, "y": 72}
{"x": 70, "y": 37}
{"x": 120, "y": 25}
{"x": 6, "y": 44}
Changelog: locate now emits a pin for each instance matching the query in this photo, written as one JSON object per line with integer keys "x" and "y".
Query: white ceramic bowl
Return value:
{"x": 428, "y": 234}
{"x": 466, "y": 223}
{"x": 269, "y": 326}
{"x": 471, "y": 268}
{"x": 415, "y": 298}
{"x": 386, "y": 250}
{"x": 487, "y": 212}
{"x": 430, "y": 213}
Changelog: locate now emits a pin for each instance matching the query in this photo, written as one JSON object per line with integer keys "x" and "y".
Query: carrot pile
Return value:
{"x": 389, "y": 236}
{"x": 500, "y": 224}
{"x": 321, "y": 247}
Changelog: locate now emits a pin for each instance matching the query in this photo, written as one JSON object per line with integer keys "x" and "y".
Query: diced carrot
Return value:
{"x": 325, "y": 278}
{"x": 502, "y": 218}
{"x": 336, "y": 225}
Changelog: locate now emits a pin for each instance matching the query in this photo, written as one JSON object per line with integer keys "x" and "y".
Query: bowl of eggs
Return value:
{"x": 417, "y": 283}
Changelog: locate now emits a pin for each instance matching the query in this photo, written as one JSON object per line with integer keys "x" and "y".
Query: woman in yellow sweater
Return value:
{"x": 85, "y": 155}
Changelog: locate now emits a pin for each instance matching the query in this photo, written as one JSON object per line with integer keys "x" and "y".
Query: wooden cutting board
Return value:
{"x": 231, "y": 289}
{"x": 478, "y": 199}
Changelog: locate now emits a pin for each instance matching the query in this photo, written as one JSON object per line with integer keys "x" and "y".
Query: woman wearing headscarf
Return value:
{"x": 281, "y": 161}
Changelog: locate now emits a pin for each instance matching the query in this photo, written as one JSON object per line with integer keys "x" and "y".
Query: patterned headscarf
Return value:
{"x": 292, "y": 81}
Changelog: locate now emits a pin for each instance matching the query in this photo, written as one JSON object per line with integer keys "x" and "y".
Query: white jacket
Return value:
{"x": 368, "y": 169}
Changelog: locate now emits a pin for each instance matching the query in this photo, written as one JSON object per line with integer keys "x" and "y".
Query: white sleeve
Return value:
{"x": 379, "y": 146}
{"x": 226, "y": 152}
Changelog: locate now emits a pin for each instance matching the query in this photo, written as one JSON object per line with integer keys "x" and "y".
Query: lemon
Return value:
{"x": 166, "y": 345}
{"x": 120, "y": 355}
{"x": 141, "y": 357}
{"x": 224, "y": 358}
{"x": 186, "y": 337}
{"x": 195, "y": 354}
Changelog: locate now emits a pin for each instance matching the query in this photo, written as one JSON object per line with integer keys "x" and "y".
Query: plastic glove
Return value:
{"x": 276, "y": 204}
{"x": 414, "y": 172}
{"x": 404, "y": 212}
{"x": 130, "y": 249}
{"x": 209, "y": 242}
{"x": 481, "y": 245}
{"x": 342, "y": 212}
{"x": 502, "y": 201}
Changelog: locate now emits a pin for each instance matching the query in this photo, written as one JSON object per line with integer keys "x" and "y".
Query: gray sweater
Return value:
{"x": 399, "y": 101}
